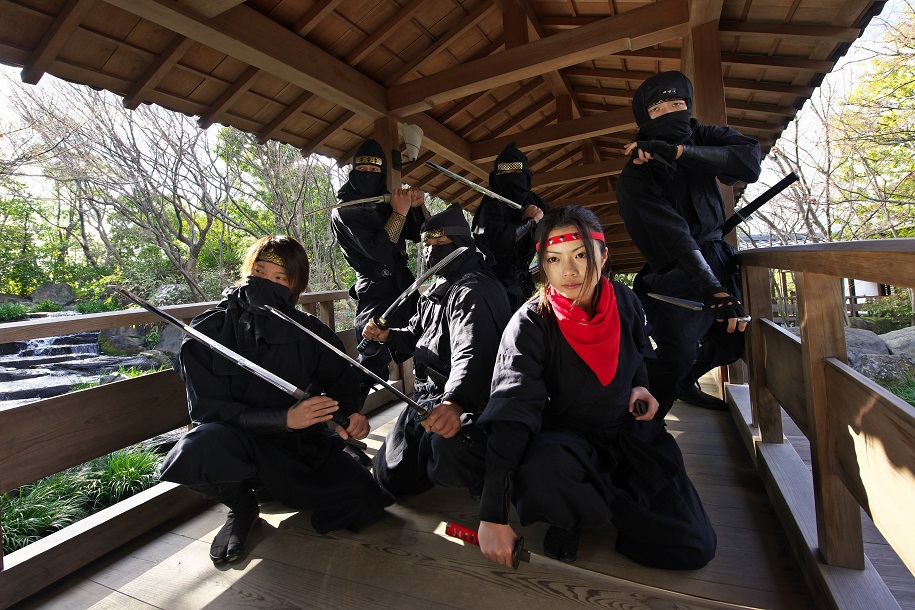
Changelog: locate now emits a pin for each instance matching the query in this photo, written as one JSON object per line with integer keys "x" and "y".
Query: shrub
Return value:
{"x": 904, "y": 388}
{"x": 37, "y": 510}
{"x": 119, "y": 475}
{"x": 13, "y": 311}
{"x": 46, "y": 305}
{"x": 96, "y": 306}
{"x": 896, "y": 307}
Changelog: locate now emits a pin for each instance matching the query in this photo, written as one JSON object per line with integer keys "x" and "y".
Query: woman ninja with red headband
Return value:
{"x": 568, "y": 444}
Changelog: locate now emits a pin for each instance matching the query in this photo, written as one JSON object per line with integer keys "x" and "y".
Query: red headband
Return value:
{"x": 559, "y": 239}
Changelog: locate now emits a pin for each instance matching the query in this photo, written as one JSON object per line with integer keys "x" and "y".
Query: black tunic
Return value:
{"x": 304, "y": 469}
{"x": 668, "y": 213}
{"x": 453, "y": 340}
{"x": 566, "y": 450}
{"x": 381, "y": 268}
{"x": 495, "y": 225}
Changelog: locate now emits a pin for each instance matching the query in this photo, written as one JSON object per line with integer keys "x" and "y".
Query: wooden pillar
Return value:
{"x": 514, "y": 23}
{"x": 820, "y": 313}
{"x": 387, "y": 135}
{"x": 767, "y": 413}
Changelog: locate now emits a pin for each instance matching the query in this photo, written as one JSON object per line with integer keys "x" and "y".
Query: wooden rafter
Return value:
{"x": 645, "y": 26}
{"x": 154, "y": 74}
{"x": 328, "y": 133}
{"x": 68, "y": 19}
{"x": 611, "y": 167}
{"x": 229, "y": 97}
{"x": 276, "y": 125}
{"x": 210, "y": 8}
{"x": 314, "y": 16}
{"x": 371, "y": 43}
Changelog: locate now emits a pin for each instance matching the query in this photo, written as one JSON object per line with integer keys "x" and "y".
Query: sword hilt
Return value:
{"x": 338, "y": 418}
{"x": 524, "y": 229}
{"x": 380, "y": 323}
{"x": 640, "y": 407}
{"x": 471, "y": 536}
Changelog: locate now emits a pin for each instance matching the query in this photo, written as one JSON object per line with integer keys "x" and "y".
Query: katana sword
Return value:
{"x": 377, "y": 199}
{"x": 519, "y": 553}
{"x": 421, "y": 411}
{"x": 688, "y": 304}
{"x": 225, "y": 352}
{"x": 381, "y": 321}
{"x": 522, "y": 230}
{"x": 744, "y": 213}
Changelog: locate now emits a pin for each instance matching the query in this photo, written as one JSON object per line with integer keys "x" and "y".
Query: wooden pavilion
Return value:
{"x": 555, "y": 76}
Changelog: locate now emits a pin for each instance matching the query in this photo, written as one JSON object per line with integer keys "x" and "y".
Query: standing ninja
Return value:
{"x": 496, "y": 225}
{"x": 453, "y": 340}
{"x": 373, "y": 237}
{"x": 673, "y": 210}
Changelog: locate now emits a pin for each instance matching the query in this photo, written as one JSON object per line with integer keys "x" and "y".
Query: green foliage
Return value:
{"x": 904, "y": 388}
{"x": 47, "y": 306}
{"x": 897, "y": 307}
{"x": 42, "y": 508}
{"x": 10, "y": 312}
{"x": 96, "y": 306}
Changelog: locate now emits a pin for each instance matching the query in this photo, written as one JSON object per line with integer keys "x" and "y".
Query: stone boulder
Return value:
{"x": 171, "y": 294}
{"x": 170, "y": 339}
{"x": 885, "y": 367}
{"x": 122, "y": 340}
{"x": 858, "y": 342}
{"x": 901, "y": 341}
{"x": 12, "y": 298}
{"x": 62, "y": 294}
{"x": 877, "y": 325}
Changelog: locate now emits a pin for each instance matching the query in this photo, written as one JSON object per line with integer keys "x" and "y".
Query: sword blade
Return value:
{"x": 688, "y": 304}
{"x": 419, "y": 282}
{"x": 473, "y": 185}
{"x": 421, "y": 411}
{"x": 218, "y": 347}
{"x": 343, "y": 204}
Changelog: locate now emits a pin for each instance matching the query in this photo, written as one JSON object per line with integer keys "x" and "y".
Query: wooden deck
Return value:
{"x": 406, "y": 561}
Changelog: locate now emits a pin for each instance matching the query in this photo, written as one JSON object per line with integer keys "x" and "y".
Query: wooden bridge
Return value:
{"x": 820, "y": 521}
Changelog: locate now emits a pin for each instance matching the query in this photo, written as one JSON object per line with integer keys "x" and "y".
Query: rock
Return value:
{"x": 111, "y": 378}
{"x": 171, "y": 294}
{"x": 858, "y": 342}
{"x": 12, "y": 298}
{"x": 62, "y": 294}
{"x": 885, "y": 367}
{"x": 122, "y": 340}
{"x": 170, "y": 339}
{"x": 877, "y": 325}
{"x": 901, "y": 341}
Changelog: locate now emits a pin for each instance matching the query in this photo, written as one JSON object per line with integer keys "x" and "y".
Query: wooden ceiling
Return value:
{"x": 556, "y": 76}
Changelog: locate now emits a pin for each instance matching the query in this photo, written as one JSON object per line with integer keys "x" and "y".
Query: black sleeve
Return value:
{"x": 638, "y": 330}
{"x": 506, "y": 444}
{"x": 475, "y": 328}
{"x": 495, "y": 226}
{"x": 209, "y": 396}
{"x": 361, "y": 236}
{"x": 402, "y": 341}
{"x": 743, "y": 161}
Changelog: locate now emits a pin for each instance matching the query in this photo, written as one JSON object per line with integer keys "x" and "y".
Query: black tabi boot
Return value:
{"x": 561, "y": 544}
{"x": 695, "y": 396}
{"x": 229, "y": 542}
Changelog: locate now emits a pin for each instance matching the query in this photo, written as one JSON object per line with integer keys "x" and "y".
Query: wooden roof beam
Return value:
{"x": 453, "y": 33}
{"x": 276, "y": 125}
{"x": 771, "y": 109}
{"x": 328, "y": 133}
{"x": 645, "y": 26}
{"x": 210, "y": 8}
{"x": 371, "y": 43}
{"x": 752, "y": 85}
{"x": 495, "y": 109}
{"x": 314, "y": 16}
{"x": 587, "y": 201}
{"x": 229, "y": 97}
{"x": 154, "y": 74}
{"x": 611, "y": 167}
{"x": 560, "y": 133}
{"x": 66, "y": 22}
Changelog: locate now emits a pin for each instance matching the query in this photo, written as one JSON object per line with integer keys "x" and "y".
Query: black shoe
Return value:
{"x": 229, "y": 542}
{"x": 561, "y": 544}
{"x": 696, "y": 397}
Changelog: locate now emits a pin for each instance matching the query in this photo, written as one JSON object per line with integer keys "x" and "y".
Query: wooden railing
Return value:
{"x": 48, "y": 436}
{"x": 862, "y": 437}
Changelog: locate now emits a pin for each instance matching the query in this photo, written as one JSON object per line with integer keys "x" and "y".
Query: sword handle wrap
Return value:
{"x": 640, "y": 407}
{"x": 524, "y": 229}
{"x": 470, "y": 536}
{"x": 380, "y": 323}
{"x": 338, "y": 418}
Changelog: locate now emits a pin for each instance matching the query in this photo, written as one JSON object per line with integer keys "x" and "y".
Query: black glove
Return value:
{"x": 659, "y": 148}
{"x": 700, "y": 275}
{"x": 706, "y": 159}
{"x": 261, "y": 421}
{"x": 726, "y": 307}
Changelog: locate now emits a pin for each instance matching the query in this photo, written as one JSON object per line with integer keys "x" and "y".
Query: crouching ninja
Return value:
{"x": 453, "y": 340}
{"x": 673, "y": 210}
{"x": 247, "y": 433}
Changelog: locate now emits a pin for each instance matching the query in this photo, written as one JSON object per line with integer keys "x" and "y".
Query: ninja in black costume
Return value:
{"x": 496, "y": 224}
{"x": 249, "y": 434}
{"x": 673, "y": 210}
{"x": 567, "y": 445}
{"x": 453, "y": 339}
{"x": 373, "y": 237}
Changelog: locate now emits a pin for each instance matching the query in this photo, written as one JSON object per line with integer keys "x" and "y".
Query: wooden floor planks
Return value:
{"x": 405, "y": 561}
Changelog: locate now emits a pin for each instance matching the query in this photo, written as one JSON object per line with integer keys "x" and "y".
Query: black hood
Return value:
{"x": 659, "y": 88}
{"x": 362, "y": 184}
{"x": 514, "y": 185}
{"x": 452, "y": 224}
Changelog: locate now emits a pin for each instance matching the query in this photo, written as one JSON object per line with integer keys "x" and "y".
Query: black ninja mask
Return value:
{"x": 367, "y": 184}
{"x": 452, "y": 224}
{"x": 673, "y": 127}
{"x": 258, "y": 291}
{"x": 363, "y": 183}
{"x": 518, "y": 181}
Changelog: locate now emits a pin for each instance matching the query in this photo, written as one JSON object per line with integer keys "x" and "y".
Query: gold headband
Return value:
{"x": 432, "y": 234}
{"x": 368, "y": 160}
{"x": 509, "y": 167}
{"x": 269, "y": 255}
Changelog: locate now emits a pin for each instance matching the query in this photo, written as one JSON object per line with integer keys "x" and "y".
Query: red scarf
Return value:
{"x": 596, "y": 340}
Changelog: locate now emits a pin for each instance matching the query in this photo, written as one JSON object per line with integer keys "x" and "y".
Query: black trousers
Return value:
{"x": 689, "y": 343}
{"x": 412, "y": 460}
{"x": 305, "y": 472}
{"x": 564, "y": 480}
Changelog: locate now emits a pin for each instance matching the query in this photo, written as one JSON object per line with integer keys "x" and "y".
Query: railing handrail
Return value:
{"x": 24, "y": 330}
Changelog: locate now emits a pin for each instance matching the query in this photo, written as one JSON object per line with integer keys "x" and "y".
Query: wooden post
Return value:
{"x": 514, "y": 23}
{"x": 326, "y": 313}
{"x": 767, "y": 413}
{"x": 820, "y": 312}
{"x": 386, "y": 134}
